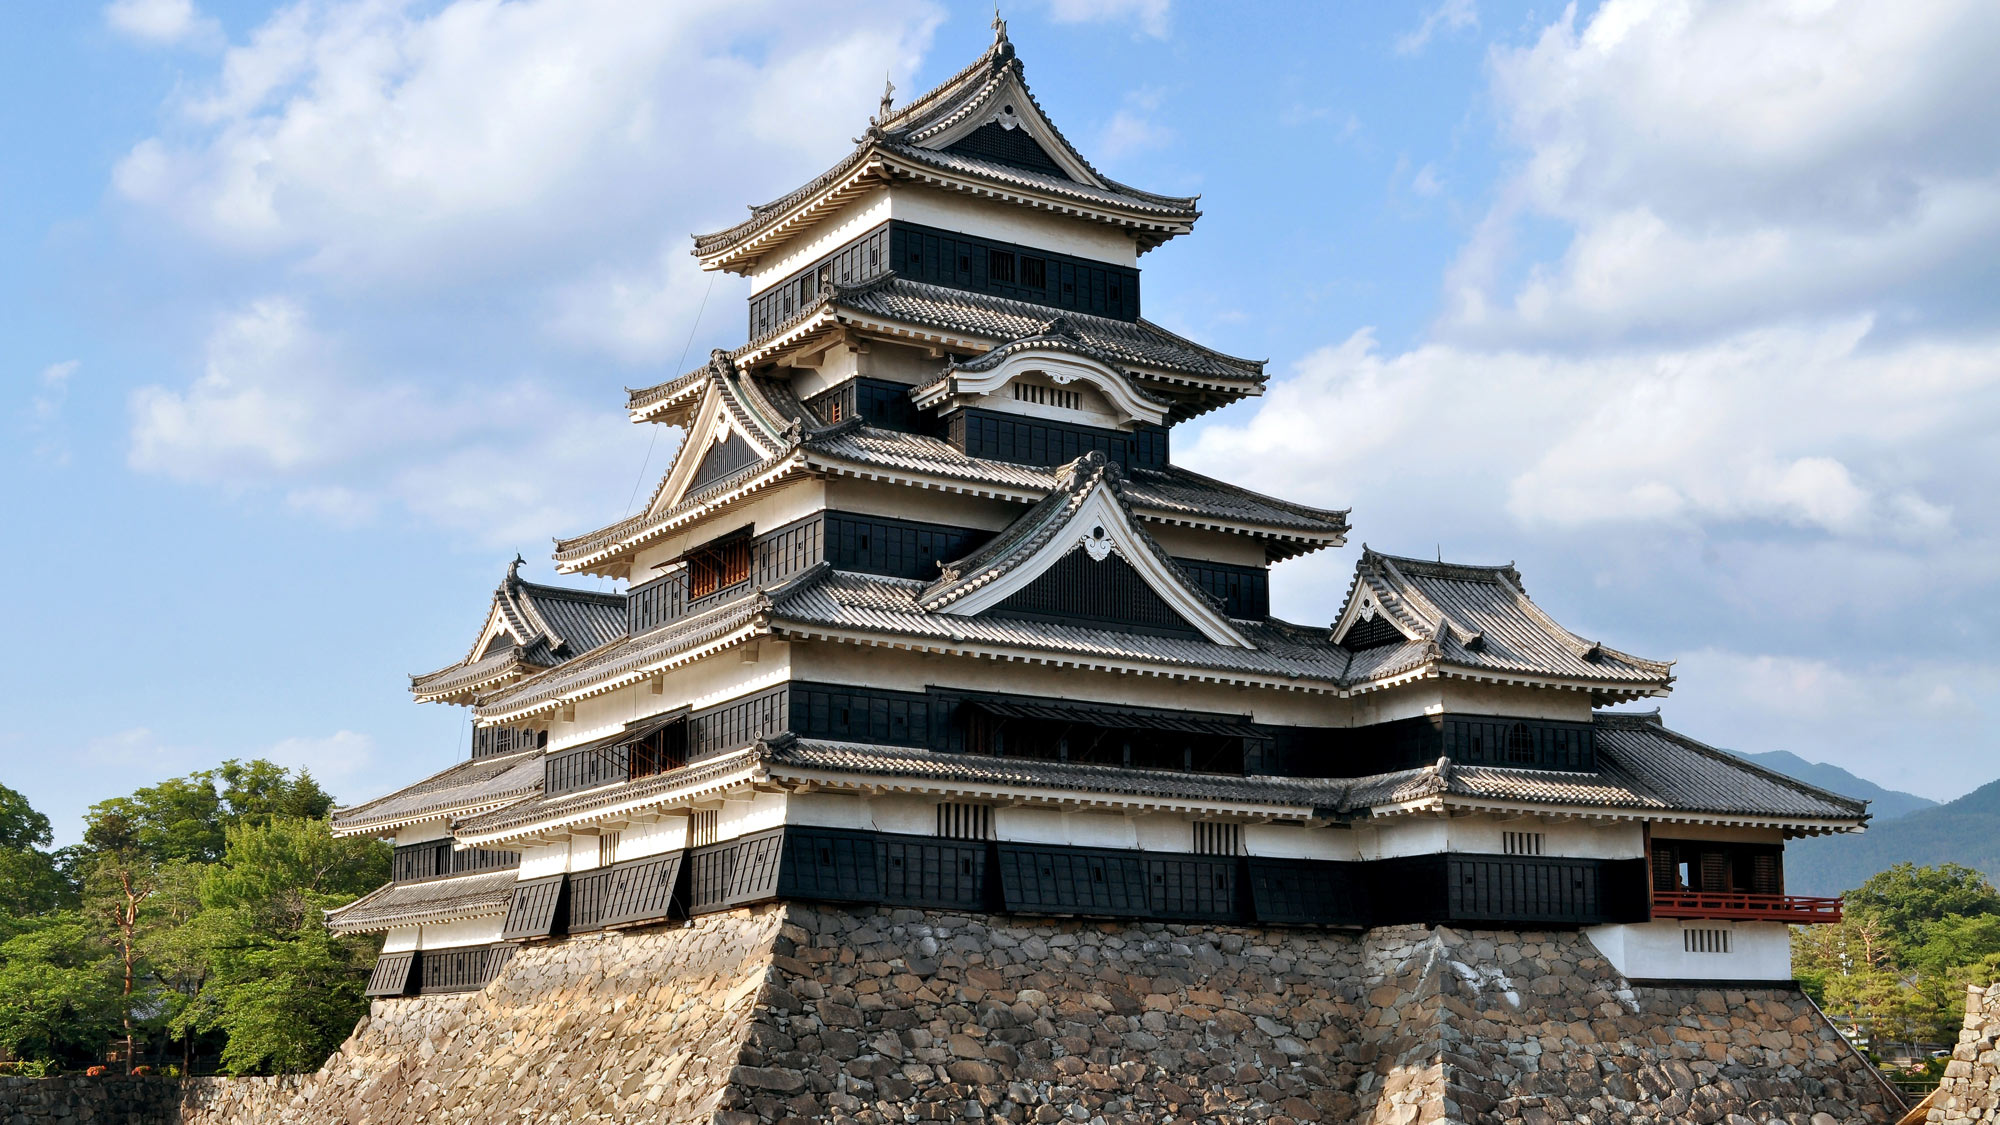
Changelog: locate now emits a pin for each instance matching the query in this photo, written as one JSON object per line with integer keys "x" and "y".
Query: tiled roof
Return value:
{"x": 1138, "y": 343}
{"x": 1480, "y": 618}
{"x": 870, "y": 604}
{"x": 934, "y": 766}
{"x": 480, "y": 783}
{"x": 1171, "y": 493}
{"x": 543, "y": 626}
{"x": 697, "y": 775}
{"x": 641, "y": 651}
{"x": 904, "y": 134}
{"x": 1686, "y": 774}
{"x": 402, "y": 904}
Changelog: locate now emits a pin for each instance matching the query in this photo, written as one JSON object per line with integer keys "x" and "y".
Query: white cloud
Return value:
{"x": 279, "y": 405}
{"x": 647, "y": 314}
{"x": 1810, "y": 427}
{"x": 1426, "y": 182}
{"x": 1132, "y": 128}
{"x": 383, "y": 143}
{"x": 145, "y": 754}
{"x": 1152, "y": 16}
{"x": 1448, "y": 16}
{"x": 45, "y": 412}
{"x": 162, "y": 22}
{"x": 1718, "y": 164}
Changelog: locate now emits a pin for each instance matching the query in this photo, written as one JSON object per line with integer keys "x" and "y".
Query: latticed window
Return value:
{"x": 607, "y": 849}
{"x": 965, "y": 822}
{"x": 1212, "y": 837}
{"x": 718, "y": 566}
{"x": 704, "y": 827}
{"x": 1520, "y": 743}
{"x": 1523, "y": 843}
{"x": 1705, "y": 941}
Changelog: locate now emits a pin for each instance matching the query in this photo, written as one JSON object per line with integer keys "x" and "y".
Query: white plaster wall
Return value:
{"x": 1286, "y": 841}
{"x": 468, "y": 931}
{"x": 741, "y": 818}
{"x": 766, "y": 511}
{"x": 704, "y": 683}
{"x": 903, "y": 812}
{"x": 842, "y": 227}
{"x": 1657, "y": 950}
{"x": 878, "y": 499}
{"x": 644, "y": 838}
{"x": 1575, "y": 839}
{"x": 1162, "y": 832}
{"x": 829, "y": 810}
{"x": 547, "y": 859}
{"x": 401, "y": 939}
{"x": 1008, "y": 223}
{"x": 582, "y": 853}
{"x": 1029, "y": 825}
{"x": 1215, "y": 546}
{"x": 423, "y": 832}
{"x": 1410, "y": 836}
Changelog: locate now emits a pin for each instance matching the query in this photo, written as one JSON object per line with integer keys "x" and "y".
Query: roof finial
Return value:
{"x": 514, "y": 568}
{"x": 999, "y": 26}
{"x": 888, "y": 96}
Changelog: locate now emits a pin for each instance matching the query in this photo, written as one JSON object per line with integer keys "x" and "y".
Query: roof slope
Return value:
{"x": 403, "y": 904}
{"x": 1478, "y": 619}
{"x": 993, "y": 89}
{"x": 529, "y": 627}
{"x": 482, "y": 783}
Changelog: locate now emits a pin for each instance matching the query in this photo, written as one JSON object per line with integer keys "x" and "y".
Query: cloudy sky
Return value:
{"x": 312, "y": 314}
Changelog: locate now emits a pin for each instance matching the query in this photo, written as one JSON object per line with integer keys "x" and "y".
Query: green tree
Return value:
{"x": 32, "y": 881}
{"x": 284, "y": 988}
{"x": 1907, "y": 897}
{"x": 58, "y": 993}
{"x": 20, "y": 825}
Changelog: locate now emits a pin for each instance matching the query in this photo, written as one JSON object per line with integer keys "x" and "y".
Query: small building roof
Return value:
{"x": 470, "y": 786}
{"x": 529, "y": 627}
{"x": 434, "y": 900}
{"x": 1478, "y": 621}
{"x": 921, "y": 143}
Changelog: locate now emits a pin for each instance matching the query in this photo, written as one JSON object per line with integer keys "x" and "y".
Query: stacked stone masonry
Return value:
{"x": 88, "y": 1101}
{"x": 795, "y": 1013}
{"x": 1971, "y": 1087}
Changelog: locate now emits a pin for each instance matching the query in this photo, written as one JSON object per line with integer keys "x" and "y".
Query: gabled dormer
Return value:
{"x": 1079, "y": 557}
{"x": 981, "y": 133}
{"x": 1052, "y": 374}
{"x": 530, "y": 627}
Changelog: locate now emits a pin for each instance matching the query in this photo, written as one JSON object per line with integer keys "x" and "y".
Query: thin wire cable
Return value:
{"x": 678, "y": 367}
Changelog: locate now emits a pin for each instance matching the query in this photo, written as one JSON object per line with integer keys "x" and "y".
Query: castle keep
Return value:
{"x": 925, "y": 622}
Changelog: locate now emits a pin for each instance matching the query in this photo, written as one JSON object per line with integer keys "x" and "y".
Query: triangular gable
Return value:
{"x": 999, "y": 120}
{"x": 720, "y": 441}
{"x": 1080, "y": 527}
{"x": 1373, "y": 616}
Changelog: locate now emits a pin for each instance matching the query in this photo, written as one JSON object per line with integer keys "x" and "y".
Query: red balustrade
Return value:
{"x": 1796, "y": 909}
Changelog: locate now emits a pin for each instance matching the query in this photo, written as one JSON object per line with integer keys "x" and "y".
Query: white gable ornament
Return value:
{"x": 1097, "y": 544}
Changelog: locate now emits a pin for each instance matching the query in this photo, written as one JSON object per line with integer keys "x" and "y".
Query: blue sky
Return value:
{"x": 313, "y": 314}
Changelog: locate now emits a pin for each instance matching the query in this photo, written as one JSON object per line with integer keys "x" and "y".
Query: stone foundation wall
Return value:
{"x": 797, "y": 1013}
{"x": 1971, "y": 1087}
{"x": 73, "y": 1100}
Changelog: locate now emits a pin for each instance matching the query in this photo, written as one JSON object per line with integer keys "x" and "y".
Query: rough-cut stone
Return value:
{"x": 1971, "y": 1087}
{"x": 798, "y": 1013}
{"x": 78, "y": 1100}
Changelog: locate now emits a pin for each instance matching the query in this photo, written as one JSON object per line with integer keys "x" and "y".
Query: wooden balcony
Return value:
{"x": 1795, "y": 909}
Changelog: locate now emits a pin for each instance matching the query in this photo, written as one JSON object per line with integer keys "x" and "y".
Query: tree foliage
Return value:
{"x": 1911, "y": 940}
{"x": 188, "y": 926}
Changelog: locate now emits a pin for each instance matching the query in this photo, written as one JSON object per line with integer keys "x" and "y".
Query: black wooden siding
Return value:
{"x": 1545, "y": 744}
{"x": 1244, "y": 591}
{"x": 896, "y": 548}
{"x": 1008, "y": 269}
{"x": 858, "y": 260}
{"x": 451, "y": 970}
{"x": 731, "y": 456}
{"x": 738, "y": 723}
{"x": 435, "y": 859}
{"x": 488, "y": 741}
{"x": 533, "y": 909}
{"x": 391, "y": 976}
{"x": 996, "y": 142}
{"x": 585, "y": 767}
{"x": 892, "y": 869}
{"x": 1305, "y": 892}
{"x": 1081, "y": 590}
{"x": 852, "y": 714}
{"x": 735, "y": 872}
{"x": 881, "y": 403}
{"x": 659, "y": 602}
{"x": 639, "y": 890}
{"x": 1000, "y": 436}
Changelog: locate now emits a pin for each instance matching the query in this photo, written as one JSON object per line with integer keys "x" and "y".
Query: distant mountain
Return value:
{"x": 1963, "y": 831}
{"x": 1883, "y": 804}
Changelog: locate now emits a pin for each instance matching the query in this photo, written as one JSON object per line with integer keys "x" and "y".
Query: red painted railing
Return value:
{"x": 1797, "y": 909}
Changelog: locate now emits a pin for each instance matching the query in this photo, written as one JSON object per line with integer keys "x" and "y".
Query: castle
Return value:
{"x": 924, "y": 616}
